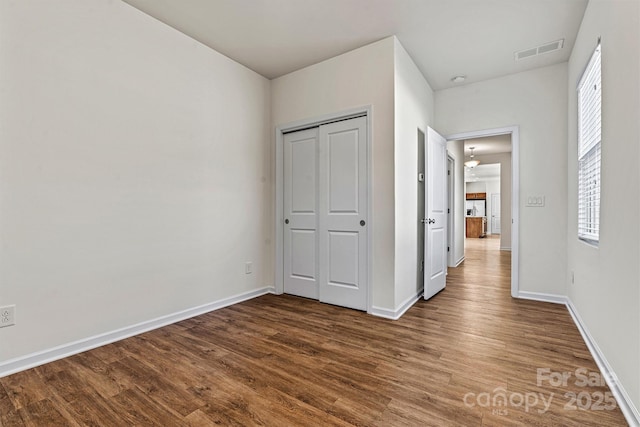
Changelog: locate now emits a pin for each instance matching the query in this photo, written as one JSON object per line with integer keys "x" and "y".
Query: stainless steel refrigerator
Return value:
{"x": 476, "y": 207}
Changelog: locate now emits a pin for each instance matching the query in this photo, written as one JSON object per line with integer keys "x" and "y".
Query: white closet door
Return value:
{"x": 301, "y": 213}
{"x": 343, "y": 213}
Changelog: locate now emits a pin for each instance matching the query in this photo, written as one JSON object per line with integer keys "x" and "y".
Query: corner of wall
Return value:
{"x": 413, "y": 111}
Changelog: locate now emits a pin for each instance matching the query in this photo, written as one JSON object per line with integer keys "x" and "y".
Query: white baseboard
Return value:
{"x": 625, "y": 403}
{"x": 460, "y": 261}
{"x": 398, "y": 312}
{"x": 539, "y": 296}
{"x": 40, "y": 358}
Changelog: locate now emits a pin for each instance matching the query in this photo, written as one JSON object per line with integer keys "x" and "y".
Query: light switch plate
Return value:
{"x": 535, "y": 201}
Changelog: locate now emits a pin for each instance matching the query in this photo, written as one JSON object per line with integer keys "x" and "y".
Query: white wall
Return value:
{"x": 536, "y": 101}
{"x": 455, "y": 149}
{"x": 476, "y": 187}
{"x": 606, "y": 292}
{"x": 132, "y": 161}
{"x": 358, "y": 78}
{"x": 413, "y": 102}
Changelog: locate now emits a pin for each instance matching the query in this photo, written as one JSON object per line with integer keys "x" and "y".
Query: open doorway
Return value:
{"x": 483, "y": 210}
{"x": 491, "y": 181}
{"x": 487, "y": 173}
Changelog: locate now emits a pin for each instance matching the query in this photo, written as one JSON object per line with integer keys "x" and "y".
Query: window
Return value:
{"x": 589, "y": 149}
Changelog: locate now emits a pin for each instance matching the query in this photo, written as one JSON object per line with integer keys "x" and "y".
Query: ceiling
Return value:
{"x": 445, "y": 38}
{"x": 485, "y": 146}
{"x": 482, "y": 172}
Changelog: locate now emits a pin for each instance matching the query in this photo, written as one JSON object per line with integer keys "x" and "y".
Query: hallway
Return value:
{"x": 501, "y": 342}
{"x": 486, "y": 266}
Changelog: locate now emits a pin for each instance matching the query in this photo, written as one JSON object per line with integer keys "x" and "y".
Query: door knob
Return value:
{"x": 431, "y": 221}
{"x": 362, "y": 223}
{"x": 286, "y": 221}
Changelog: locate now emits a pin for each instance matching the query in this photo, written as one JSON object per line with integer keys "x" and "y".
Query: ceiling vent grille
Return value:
{"x": 539, "y": 50}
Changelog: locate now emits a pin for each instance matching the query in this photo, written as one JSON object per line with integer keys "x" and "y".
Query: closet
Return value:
{"x": 325, "y": 213}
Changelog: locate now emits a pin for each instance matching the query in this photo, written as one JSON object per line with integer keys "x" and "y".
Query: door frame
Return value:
{"x": 514, "y": 131}
{"x": 451, "y": 187}
{"x": 422, "y": 147}
{"x": 279, "y": 188}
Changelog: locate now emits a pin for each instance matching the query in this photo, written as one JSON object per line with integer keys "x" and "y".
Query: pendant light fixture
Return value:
{"x": 472, "y": 163}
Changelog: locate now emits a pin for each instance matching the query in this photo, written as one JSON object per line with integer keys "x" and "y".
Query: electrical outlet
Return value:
{"x": 248, "y": 267}
{"x": 7, "y": 316}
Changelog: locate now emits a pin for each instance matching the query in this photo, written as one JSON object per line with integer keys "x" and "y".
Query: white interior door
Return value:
{"x": 301, "y": 213}
{"x": 343, "y": 213}
{"x": 435, "y": 272}
{"x": 495, "y": 213}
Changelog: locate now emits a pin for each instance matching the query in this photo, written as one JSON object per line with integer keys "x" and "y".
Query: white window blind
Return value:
{"x": 589, "y": 149}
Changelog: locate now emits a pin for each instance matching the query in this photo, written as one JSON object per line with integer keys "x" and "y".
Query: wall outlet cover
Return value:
{"x": 7, "y": 316}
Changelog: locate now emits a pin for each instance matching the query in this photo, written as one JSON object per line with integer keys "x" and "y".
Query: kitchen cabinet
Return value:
{"x": 476, "y": 226}
{"x": 476, "y": 196}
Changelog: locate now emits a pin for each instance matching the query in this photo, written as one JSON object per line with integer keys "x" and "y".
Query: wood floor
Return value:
{"x": 468, "y": 357}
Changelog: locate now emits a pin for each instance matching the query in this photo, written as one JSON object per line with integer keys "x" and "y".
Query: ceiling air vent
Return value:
{"x": 539, "y": 50}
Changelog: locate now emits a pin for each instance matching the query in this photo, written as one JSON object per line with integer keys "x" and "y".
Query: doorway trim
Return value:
{"x": 514, "y": 131}
{"x": 280, "y": 130}
{"x": 451, "y": 190}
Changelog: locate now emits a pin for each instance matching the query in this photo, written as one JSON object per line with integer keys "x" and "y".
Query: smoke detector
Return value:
{"x": 539, "y": 50}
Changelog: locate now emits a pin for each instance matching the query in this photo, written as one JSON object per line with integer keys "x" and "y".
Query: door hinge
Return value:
{"x": 448, "y": 210}
{"x": 447, "y": 248}
{"x": 448, "y": 172}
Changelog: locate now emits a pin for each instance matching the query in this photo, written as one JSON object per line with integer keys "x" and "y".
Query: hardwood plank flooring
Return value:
{"x": 285, "y": 361}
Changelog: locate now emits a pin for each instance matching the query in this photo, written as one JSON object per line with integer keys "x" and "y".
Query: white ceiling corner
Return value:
{"x": 445, "y": 38}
